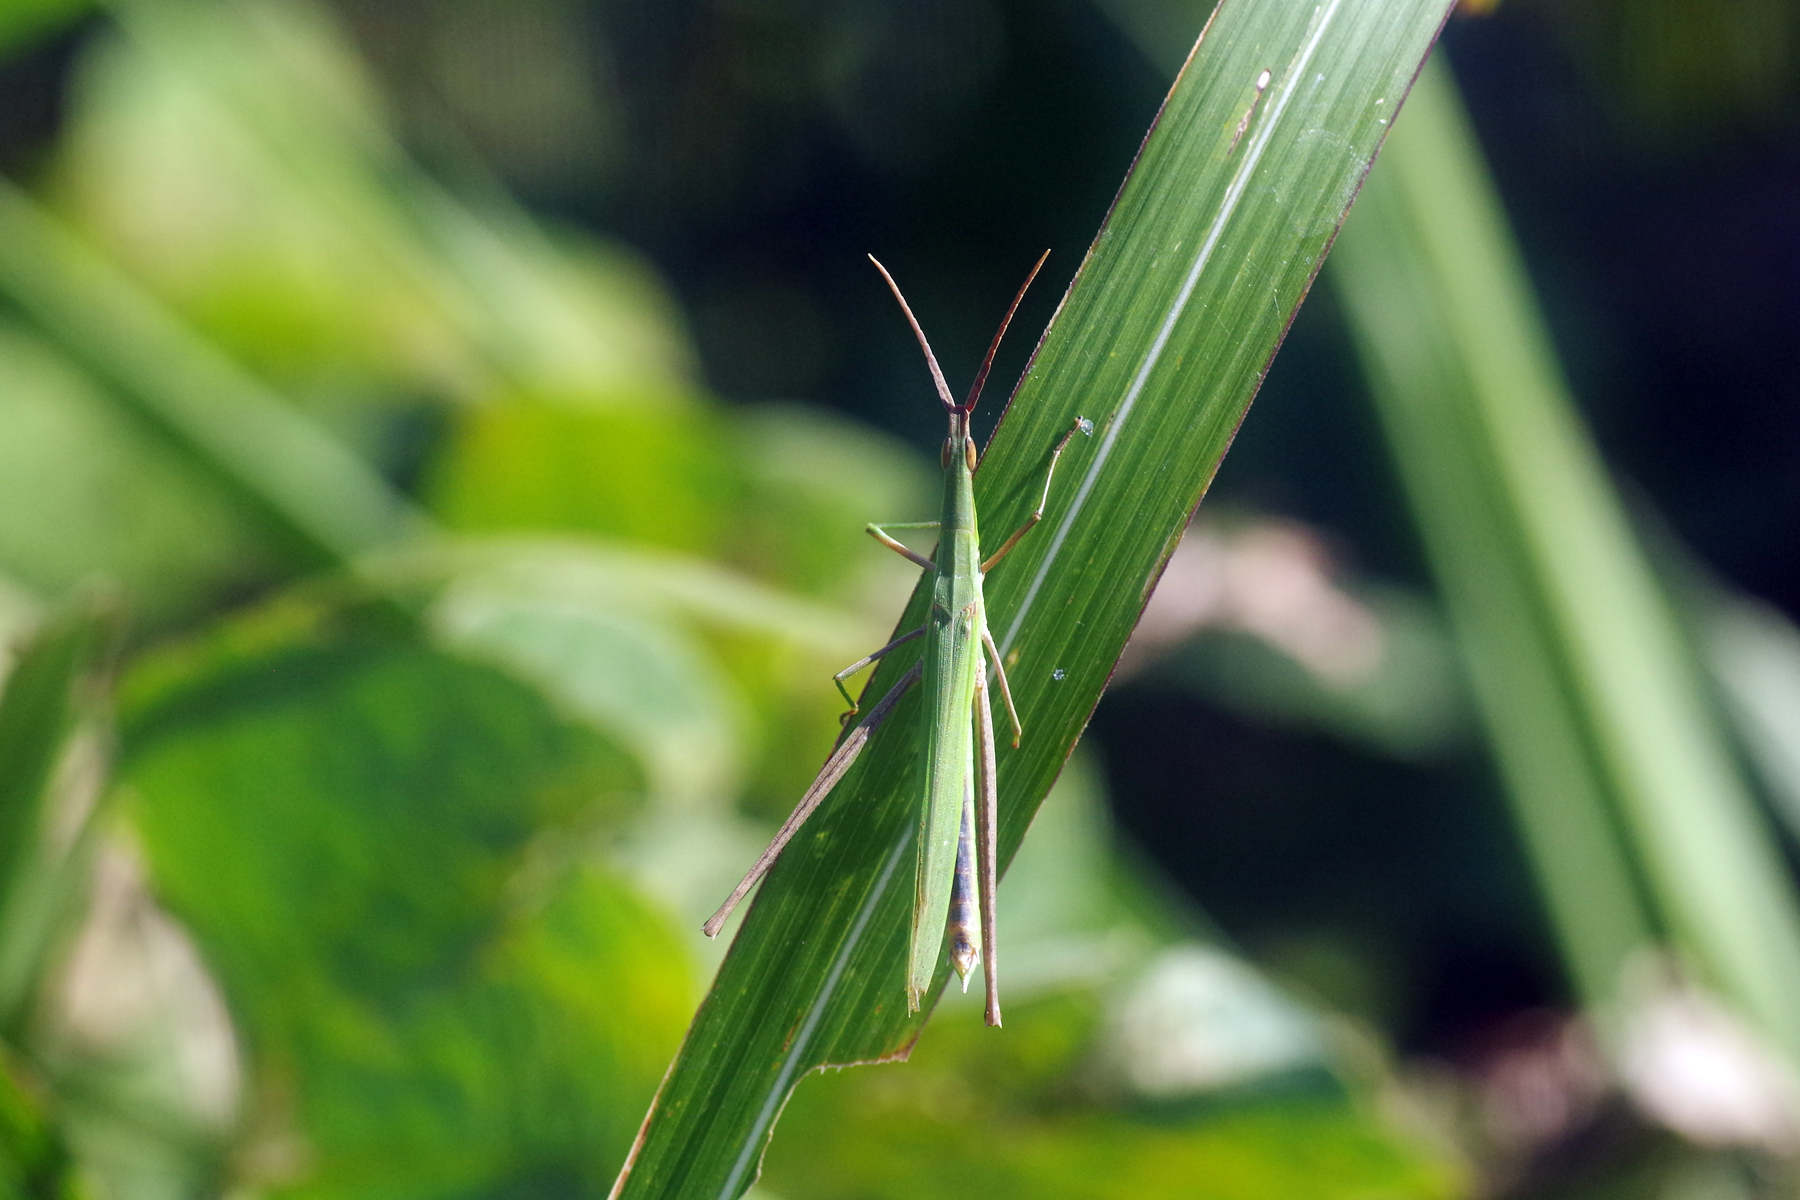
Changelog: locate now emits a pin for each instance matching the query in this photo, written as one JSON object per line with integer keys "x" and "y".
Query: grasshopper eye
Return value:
{"x": 969, "y": 451}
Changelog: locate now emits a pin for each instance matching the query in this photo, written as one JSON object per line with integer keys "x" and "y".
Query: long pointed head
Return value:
{"x": 959, "y": 439}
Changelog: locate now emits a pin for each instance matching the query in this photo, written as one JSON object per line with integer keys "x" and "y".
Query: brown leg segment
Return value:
{"x": 840, "y": 761}
{"x": 987, "y": 812}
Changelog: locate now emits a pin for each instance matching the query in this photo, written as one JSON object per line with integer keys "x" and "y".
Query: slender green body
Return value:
{"x": 957, "y": 870}
{"x": 953, "y": 662}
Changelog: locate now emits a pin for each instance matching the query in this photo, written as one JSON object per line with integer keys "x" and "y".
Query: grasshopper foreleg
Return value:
{"x": 880, "y": 534}
{"x": 1083, "y": 426}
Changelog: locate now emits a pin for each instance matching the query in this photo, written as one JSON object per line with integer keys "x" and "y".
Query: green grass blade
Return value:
{"x": 320, "y": 495}
{"x": 1161, "y": 341}
{"x": 1638, "y": 824}
{"x": 40, "y": 707}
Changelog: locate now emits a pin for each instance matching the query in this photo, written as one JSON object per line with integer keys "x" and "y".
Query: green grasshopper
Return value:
{"x": 957, "y": 870}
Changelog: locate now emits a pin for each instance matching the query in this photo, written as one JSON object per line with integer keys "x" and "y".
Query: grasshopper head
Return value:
{"x": 960, "y": 440}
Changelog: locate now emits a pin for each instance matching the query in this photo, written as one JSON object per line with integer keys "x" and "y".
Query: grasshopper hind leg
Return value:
{"x": 972, "y": 926}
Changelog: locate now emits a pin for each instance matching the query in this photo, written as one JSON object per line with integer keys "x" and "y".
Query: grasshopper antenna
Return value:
{"x": 937, "y": 374}
{"x": 968, "y": 405}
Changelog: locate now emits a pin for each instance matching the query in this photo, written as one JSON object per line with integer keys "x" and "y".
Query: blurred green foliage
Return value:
{"x": 1137, "y": 1059}
{"x": 472, "y": 645}
{"x": 1008, "y": 1117}
{"x": 1641, "y": 826}
{"x": 115, "y": 499}
{"x": 453, "y": 997}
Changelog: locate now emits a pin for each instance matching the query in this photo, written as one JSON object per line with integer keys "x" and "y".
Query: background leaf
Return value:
{"x": 52, "y": 690}
{"x": 1639, "y": 825}
{"x": 443, "y": 987}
